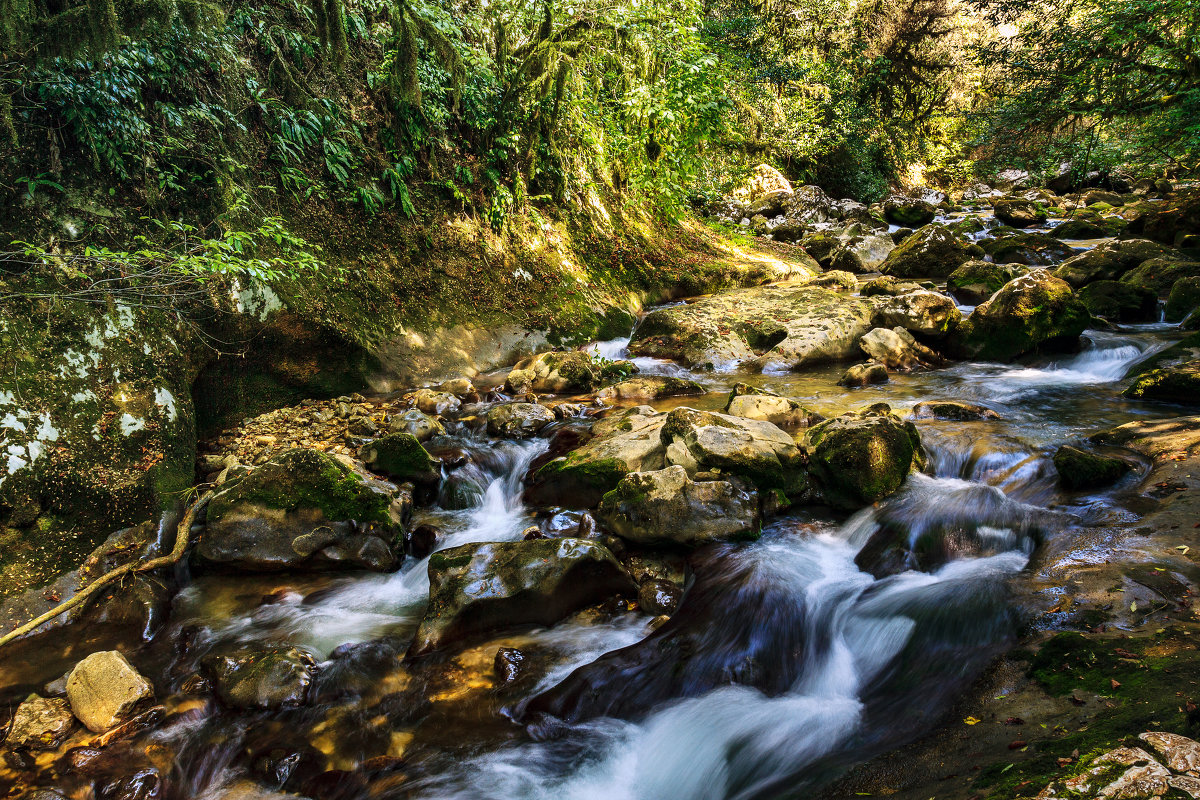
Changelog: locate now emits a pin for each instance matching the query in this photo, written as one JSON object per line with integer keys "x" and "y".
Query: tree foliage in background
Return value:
{"x": 1097, "y": 83}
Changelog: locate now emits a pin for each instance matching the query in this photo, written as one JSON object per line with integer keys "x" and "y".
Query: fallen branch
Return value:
{"x": 182, "y": 536}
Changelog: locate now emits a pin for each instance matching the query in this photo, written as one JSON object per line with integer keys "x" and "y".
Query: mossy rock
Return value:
{"x": 1019, "y": 213}
{"x": 1033, "y": 313}
{"x": 859, "y": 459}
{"x": 1030, "y": 249}
{"x": 1158, "y": 275}
{"x": 1169, "y": 221}
{"x": 401, "y": 457}
{"x": 908, "y": 211}
{"x": 1183, "y": 299}
{"x": 934, "y": 251}
{"x": 1111, "y": 260}
{"x": 1080, "y": 469}
{"x": 1177, "y": 384}
{"x": 976, "y": 280}
{"x": 1120, "y": 302}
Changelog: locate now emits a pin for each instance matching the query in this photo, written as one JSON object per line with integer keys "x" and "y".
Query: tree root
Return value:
{"x": 182, "y": 536}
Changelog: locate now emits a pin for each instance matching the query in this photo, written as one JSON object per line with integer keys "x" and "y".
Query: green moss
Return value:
{"x": 1179, "y": 384}
{"x": 599, "y": 474}
{"x": 400, "y": 456}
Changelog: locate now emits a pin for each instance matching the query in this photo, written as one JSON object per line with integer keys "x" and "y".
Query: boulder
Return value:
{"x": 897, "y": 349}
{"x": 1096, "y": 227}
{"x": 1175, "y": 383}
{"x": 759, "y": 452}
{"x": 1111, "y": 260}
{"x": 572, "y": 372}
{"x": 1120, "y": 302}
{"x": 932, "y": 252}
{"x": 1019, "y": 213}
{"x": 952, "y": 410}
{"x": 1158, "y": 275}
{"x": 864, "y": 375}
{"x": 105, "y": 690}
{"x": 1031, "y": 249}
{"x": 268, "y": 678}
{"x": 1101, "y": 196}
{"x": 40, "y": 723}
{"x": 861, "y": 253}
{"x": 858, "y": 459}
{"x": 837, "y": 279}
{"x": 924, "y": 312}
{"x": 401, "y": 457}
{"x": 764, "y": 180}
{"x": 480, "y": 588}
{"x": 624, "y": 442}
{"x": 518, "y": 420}
{"x": 667, "y": 507}
{"x": 1082, "y": 469}
{"x": 887, "y": 285}
{"x": 436, "y": 403}
{"x": 651, "y": 387}
{"x": 746, "y": 401}
{"x": 416, "y": 423}
{"x": 1032, "y": 313}
{"x": 908, "y": 211}
{"x": 781, "y": 326}
{"x": 1171, "y": 220}
{"x": 975, "y": 281}
{"x": 301, "y": 510}
{"x": 1183, "y": 299}
{"x": 821, "y": 245}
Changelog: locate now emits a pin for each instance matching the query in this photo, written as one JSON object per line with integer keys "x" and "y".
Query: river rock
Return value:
{"x": 1030, "y": 249}
{"x": 1032, "y": 313}
{"x": 897, "y": 349}
{"x": 1175, "y": 383}
{"x": 518, "y": 420}
{"x": 839, "y": 280}
{"x": 1081, "y": 469}
{"x": 462, "y": 388}
{"x": 436, "y": 403}
{"x": 400, "y": 457}
{"x": 1018, "y": 213}
{"x": 105, "y": 690}
{"x": 651, "y": 387}
{"x": 861, "y": 253}
{"x": 484, "y": 587}
{"x": 1183, "y": 299}
{"x": 659, "y": 597}
{"x": 1171, "y": 220}
{"x": 1111, "y": 260}
{"x": 953, "y": 410}
{"x": 1180, "y": 753}
{"x": 925, "y": 312}
{"x": 261, "y": 678}
{"x": 888, "y": 285}
{"x": 975, "y": 281}
{"x": 667, "y": 507}
{"x": 932, "y": 252}
{"x": 864, "y": 375}
{"x": 301, "y": 510}
{"x": 703, "y": 441}
{"x": 1120, "y": 302}
{"x": 1158, "y": 275}
{"x": 786, "y": 325}
{"x": 908, "y": 211}
{"x": 40, "y": 723}
{"x": 858, "y": 459}
{"x": 556, "y": 373}
{"x": 745, "y": 401}
{"x": 416, "y": 423}
{"x": 623, "y": 442}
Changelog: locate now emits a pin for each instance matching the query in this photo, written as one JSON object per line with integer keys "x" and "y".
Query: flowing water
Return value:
{"x": 805, "y": 656}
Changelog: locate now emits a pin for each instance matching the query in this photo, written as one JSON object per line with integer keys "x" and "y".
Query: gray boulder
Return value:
{"x": 667, "y": 507}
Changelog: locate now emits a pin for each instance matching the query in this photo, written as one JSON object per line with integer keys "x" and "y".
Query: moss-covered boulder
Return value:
{"x": 756, "y": 450}
{"x": 476, "y": 589}
{"x": 1089, "y": 227}
{"x": 857, "y": 459}
{"x": 416, "y": 423}
{"x": 668, "y": 507}
{"x": 977, "y": 280}
{"x": 518, "y": 420}
{"x": 1183, "y": 299}
{"x": 1030, "y": 249}
{"x": 1158, "y": 275}
{"x": 924, "y": 312}
{"x": 820, "y": 245}
{"x": 96, "y": 420}
{"x": 861, "y": 253}
{"x": 782, "y": 326}
{"x": 954, "y": 410}
{"x": 934, "y": 251}
{"x": 401, "y": 457}
{"x": 909, "y": 211}
{"x": 1171, "y": 220}
{"x": 572, "y": 372}
{"x": 1033, "y": 313}
{"x": 651, "y": 387}
{"x": 268, "y": 678}
{"x": 1018, "y": 212}
{"x": 302, "y": 510}
{"x": 624, "y": 442}
{"x": 1111, "y": 260}
{"x": 1175, "y": 383}
{"x": 1083, "y": 469}
{"x": 1120, "y": 302}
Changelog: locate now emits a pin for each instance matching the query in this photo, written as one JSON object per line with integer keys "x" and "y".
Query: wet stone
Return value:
{"x": 40, "y": 723}
{"x": 508, "y": 663}
{"x": 105, "y": 690}
{"x": 658, "y": 597}
{"x": 268, "y": 678}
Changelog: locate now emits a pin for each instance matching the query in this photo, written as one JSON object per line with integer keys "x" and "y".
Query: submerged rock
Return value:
{"x": 1035, "y": 312}
{"x": 658, "y": 597}
{"x": 934, "y": 251}
{"x": 518, "y": 420}
{"x": 954, "y": 410}
{"x": 1081, "y": 469}
{"x": 301, "y": 510}
{"x": 785, "y": 325}
{"x": 105, "y": 690}
{"x": 857, "y": 459}
{"x": 667, "y": 507}
{"x": 267, "y": 678}
{"x": 480, "y": 588}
